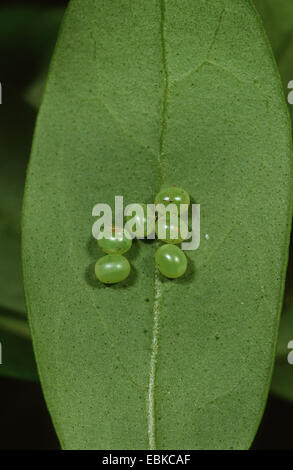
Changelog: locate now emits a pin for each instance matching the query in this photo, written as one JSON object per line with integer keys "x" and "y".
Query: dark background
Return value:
{"x": 25, "y": 422}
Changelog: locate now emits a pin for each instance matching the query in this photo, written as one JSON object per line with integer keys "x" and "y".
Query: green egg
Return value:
{"x": 140, "y": 222}
{"x": 171, "y": 261}
{"x": 175, "y": 231}
{"x": 174, "y": 195}
{"x": 117, "y": 243}
{"x": 111, "y": 269}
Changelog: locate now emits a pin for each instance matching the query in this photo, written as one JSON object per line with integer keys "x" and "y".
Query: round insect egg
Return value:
{"x": 118, "y": 241}
{"x": 111, "y": 269}
{"x": 171, "y": 261}
{"x": 174, "y": 195}
{"x": 171, "y": 229}
{"x": 140, "y": 220}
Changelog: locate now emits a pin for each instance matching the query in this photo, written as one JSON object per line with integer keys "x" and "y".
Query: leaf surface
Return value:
{"x": 277, "y": 16}
{"x": 143, "y": 95}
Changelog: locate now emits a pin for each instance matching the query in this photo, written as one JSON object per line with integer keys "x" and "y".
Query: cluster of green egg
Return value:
{"x": 170, "y": 260}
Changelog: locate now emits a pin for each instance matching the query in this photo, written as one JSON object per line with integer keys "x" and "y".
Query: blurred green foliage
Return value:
{"x": 16, "y": 348}
{"x": 17, "y": 356}
{"x": 282, "y": 383}
{"x": 16, "y": 129}
{"x": 27, "y": 39}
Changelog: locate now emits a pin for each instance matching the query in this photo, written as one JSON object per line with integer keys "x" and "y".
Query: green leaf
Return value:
{"x": 51, "y": 19}
{"x": 277, "y": 16}
{"x": 285, "y": 333}
{"x": 15, "y": 324}
{"x": 33, "y": 94}
{"x": 142, "y": 95}
{"x": 278, "y": 21}
{"x": 16, "y": 128}
{"x": 282, "y": 382}
{"x": 17, "y": 357}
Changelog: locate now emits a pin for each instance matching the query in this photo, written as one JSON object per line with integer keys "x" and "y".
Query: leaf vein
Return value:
{"x": 157, "y": 284}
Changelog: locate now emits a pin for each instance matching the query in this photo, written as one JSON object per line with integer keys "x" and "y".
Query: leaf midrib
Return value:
{"x": 151, "y": 413}
{"x": 157, "y": 282}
